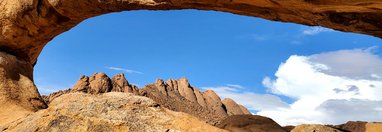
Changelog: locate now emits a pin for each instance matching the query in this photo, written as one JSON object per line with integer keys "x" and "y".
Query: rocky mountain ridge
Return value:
{"x": 176, "y": 95}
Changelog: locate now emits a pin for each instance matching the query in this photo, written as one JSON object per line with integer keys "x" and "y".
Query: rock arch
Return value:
{"x": 26, "y": 26}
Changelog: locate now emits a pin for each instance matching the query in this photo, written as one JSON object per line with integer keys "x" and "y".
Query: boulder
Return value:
{"x": 232, "y": 107}
{"x": 214, "y": 102}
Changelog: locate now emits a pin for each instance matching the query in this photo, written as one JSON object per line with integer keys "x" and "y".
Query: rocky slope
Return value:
{"x": 250, "y": 123}
{"x": 115, "y": 111}
{"x": 314, "y": 128}
{"x": 176, "y": 95}
{"x": 359, "y": 126}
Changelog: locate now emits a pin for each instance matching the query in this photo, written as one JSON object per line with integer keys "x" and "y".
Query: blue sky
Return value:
{"x": 229, "y": 53}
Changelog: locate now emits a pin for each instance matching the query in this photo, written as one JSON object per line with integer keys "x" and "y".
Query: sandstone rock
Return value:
{"x": 107, "y": 112}
{"x": 95, "y": 84}
{"x": 120, "y": 84}
{"x": 176, "y": 102}
{"x": 359, "y": 126}
{"x": 232, "y": 107}
{"x": 214, "y": 102}
{"x": 250, "y": 123}
{"x": 199, "y": 97}
{"x": 18, "y": 94}
{"x": 99, "y": 83}
{"x": 161, "y": 86}
{"x": 172, "y": 85}
{"x": 353, "y": 126}
{"x": 186, "y": 90}
{"x": 82, "y": 85}
{"x": 374, "y": 127}
{"x": 314, "y": 128}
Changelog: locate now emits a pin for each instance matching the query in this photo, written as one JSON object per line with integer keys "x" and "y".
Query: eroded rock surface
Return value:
{"x": 115, "y": 111}
{"x": 18, "y": 94}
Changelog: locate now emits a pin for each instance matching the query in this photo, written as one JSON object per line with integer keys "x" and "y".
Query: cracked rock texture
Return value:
{"x": 115, "y": 111}
{"x": 18, "y": 94}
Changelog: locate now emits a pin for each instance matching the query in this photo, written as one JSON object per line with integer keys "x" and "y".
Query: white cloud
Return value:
{"x": 124, "y": 70}
{"x": 250, "y": 100}
{"x": 321, "y": 82}
{"x": 316, "y": 30}
{"x": 235, "y": 86}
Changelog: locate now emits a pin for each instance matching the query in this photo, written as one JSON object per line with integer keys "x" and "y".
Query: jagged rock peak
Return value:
{"x": 95, "y": 84}
{"x": 120, "y": 84}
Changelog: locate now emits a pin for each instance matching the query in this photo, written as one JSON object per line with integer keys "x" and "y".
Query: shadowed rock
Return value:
{"x": 18, "y": 94}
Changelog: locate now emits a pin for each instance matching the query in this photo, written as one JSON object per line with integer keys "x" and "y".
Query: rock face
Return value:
{"x": 176, "y": 95}
{"x": 250, "y": 123}
{"x": 179, "y": 95}
{"x": 359, "y": 126}
{"x": 18, "y": 94}
{"x": 120, "y": 84}
{"x": 101, "y": 83}
{"x": 107, "y": 112}
{"x": 233, "y": 108}
{"x": 314, "y": 128}
{"x": 353, "y": 126}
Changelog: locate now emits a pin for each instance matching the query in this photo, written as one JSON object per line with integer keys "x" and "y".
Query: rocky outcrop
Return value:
{"x": 107, "y": 112}
{"x": 233, "y": 108}
{"x": 314, "y": 128}
{"x": 98, "y": 83}
{"x": 250, "y": 123}
{"x": 352, "y": 126}
{"x": 214, "y": 102}
{"x": 176, "y": 95}
{"x": 359, "y": 126}
{"x": 18, "y": 94}
{"x": 101, "y": 83}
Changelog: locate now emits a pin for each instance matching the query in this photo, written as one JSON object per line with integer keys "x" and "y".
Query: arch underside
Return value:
{"x": 26, "y": 26}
